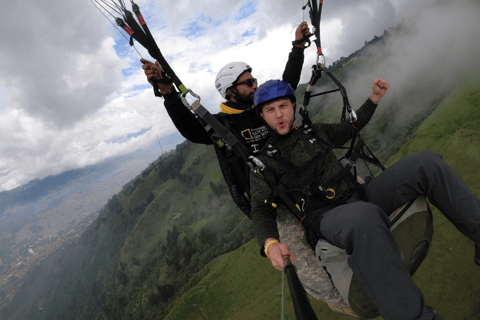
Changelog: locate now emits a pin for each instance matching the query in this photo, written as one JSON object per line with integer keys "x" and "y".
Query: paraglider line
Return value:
{"x": 113, "y": 7}
{"x": 114, "y": 25}
{"x": 122, "y": 5}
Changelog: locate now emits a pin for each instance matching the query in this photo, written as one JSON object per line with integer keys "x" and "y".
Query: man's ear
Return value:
{"x": 230, "y": 92}
{"x": 260, "y": 113}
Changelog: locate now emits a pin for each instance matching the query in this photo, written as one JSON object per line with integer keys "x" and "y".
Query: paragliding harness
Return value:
{"x": 233, "y": 156}
{"x": 301, "y": 199}
{"x": 236, "y": 173}
{"x": 357, "y": 145}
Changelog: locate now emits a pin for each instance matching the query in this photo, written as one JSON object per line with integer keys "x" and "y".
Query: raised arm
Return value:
{"x": 293, "y": 68}
{"x": 340, "y": 133}
{"x": 183, "y": 119}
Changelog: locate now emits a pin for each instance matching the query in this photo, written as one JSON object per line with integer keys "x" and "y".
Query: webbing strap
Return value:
{"x": 281, "y": 192}
{"x": 237, "y": 165}
{"x": 304, "y": 39}
{"x": 220, "y": 132}
{"x": 164, "y": 80}
{"x": 315, "y": 17}
{"x": 356, "y": 151}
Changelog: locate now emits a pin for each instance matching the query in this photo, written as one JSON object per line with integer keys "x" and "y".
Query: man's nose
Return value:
{"x": 278, "y": 113}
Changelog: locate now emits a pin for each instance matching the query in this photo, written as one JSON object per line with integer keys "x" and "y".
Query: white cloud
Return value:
{"x": 28, "y": 154}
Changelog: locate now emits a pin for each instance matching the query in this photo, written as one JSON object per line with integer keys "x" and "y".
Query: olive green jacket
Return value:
{"x": 298, "y": 148}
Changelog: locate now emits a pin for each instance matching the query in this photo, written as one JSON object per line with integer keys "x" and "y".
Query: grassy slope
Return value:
{"x": 242, "y": 285}
{"x": 151, "y": 229}
{"x": 198, "y": 209}
{"x": 448, "y": 278}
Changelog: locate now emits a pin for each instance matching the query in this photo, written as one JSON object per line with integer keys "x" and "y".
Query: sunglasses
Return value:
{"x": 248, "y": 82}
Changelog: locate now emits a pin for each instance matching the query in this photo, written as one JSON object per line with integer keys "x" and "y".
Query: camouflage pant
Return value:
{"x": 315, "y": 279}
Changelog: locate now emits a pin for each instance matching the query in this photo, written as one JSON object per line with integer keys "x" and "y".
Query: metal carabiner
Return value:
{"x": 353, "y": 116}
{"x": 322, "y": 63}
{"x": 259, "y": 166}
{"x": 184, "y": 99}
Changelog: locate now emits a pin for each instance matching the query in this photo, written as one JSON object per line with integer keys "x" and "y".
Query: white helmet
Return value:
{"x": 228, "y": 75}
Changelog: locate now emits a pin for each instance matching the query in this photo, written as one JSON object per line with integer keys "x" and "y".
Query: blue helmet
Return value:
{"x": 271, "y": 90}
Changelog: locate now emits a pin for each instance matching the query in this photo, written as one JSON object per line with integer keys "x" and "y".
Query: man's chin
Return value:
{"x": 245, "y": 100}
{"x": 281, "y": 131}
{"x": 250, "y": 98}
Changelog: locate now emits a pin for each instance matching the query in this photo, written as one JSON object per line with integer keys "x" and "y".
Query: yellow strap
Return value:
{"x": 273, "y": 203}
{"x": 302, "y": 208}
{"x": 332, "y": 191}
{"x": 226, "y": 109}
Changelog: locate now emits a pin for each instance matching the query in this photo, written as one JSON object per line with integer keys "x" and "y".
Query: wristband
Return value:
{"x": 268, "y": 245}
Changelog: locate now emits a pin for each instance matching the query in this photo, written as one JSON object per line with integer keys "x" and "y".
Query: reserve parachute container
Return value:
{"x": 412, "y": 229}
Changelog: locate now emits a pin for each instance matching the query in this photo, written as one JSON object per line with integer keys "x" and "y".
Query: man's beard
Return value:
{"x": 248, "y": 100}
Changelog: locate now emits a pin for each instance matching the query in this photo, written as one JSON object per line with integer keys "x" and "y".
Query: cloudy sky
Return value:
{"x": 72, "y": 91}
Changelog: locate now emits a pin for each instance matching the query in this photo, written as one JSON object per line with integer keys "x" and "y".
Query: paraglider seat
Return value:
{"x": 412, "y": 229}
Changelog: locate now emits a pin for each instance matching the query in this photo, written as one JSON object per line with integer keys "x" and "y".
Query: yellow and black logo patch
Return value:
{"x": 247, "y": 134}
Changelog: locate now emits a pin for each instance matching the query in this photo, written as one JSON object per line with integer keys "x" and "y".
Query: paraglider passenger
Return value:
{"x": 336, "y": 212}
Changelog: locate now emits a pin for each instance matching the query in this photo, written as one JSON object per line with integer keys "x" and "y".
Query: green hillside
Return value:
{"x": 135, "y": 257}
{"x": 448, "y": 278}
{"x": 185, "y": 219}
{"x": 243, "y": 285}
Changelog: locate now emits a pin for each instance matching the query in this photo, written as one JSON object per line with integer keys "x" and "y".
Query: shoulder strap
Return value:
{"x": 240, "y": 195}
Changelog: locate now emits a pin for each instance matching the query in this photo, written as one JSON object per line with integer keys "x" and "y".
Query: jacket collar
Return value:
{"x": 228, "y": 107}
{"x": 276, "y": 136}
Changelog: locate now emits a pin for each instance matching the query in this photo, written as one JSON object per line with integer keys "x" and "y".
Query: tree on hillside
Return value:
{"x": 217, "y": 189}
{"x": 114, "y": 204}
{"x": 150, "y": 197}
{"x": 189, "y": 248}
{"x": 207, "y": 236}
{"x": 172, "y": 236}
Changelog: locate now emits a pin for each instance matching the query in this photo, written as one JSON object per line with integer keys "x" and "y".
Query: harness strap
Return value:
{"x": 357, "y": 151}
{"x": 235, "y": 164}
{"x": 304, "y": 39}
{"x": 164, "y": 80}
{"x": 220, "y": 132}
{"x": 303, "y": 212}
{"x": 297, "y": 198}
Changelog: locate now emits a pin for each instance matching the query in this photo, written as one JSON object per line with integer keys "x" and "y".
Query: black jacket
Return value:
{"x": 247, "y": 126}
{"x": 299, "y": 149}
